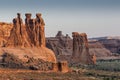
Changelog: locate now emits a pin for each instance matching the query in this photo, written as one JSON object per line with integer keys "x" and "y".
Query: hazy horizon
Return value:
{"x": 94, "y": 17}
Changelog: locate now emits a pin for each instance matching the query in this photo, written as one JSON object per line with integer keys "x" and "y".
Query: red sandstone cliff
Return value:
{"x": 26, "y": 39}
{"x": 5, "y": 29}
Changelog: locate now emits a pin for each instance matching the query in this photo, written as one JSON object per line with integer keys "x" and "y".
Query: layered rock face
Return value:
{"x": 80, "y": 49}
{"x": 60, "y": 44}
{"x": 111, "y": 44}
{"x": 5, "y": 29}
{"x": 97, "y": 48}
{"x": 27, "y": 40}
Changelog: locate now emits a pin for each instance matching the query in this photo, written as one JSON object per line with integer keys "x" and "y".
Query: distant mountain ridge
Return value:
{"x": 106, "y": 37}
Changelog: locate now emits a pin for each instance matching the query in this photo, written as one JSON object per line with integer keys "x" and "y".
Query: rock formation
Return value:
{"x": 28, "y": 35}
{"x": 59, "y": 34}
{"x": 61, "y": 45}
{"x": 94, "y": 59}
{"x": 5, "y": 29}
{"x": 97, "y": 48}
{"x": 27, "y": 40}
{"x": 13, "y": 61}
{"x": 40, "y": 30}
{"x": 61, "y": 66}
{"x": 80, "y": 49}
{"x": 18, "y": 35}
{"x": 36, "y": 29}
{"x": 111, "y": 44}
{"x": 65, "y": 48}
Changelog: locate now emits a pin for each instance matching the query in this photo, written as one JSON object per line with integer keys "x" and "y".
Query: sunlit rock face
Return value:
{"x": 5, "y": 29}
{"x": 26, "y": 39}
{"x": 28, "y": 35}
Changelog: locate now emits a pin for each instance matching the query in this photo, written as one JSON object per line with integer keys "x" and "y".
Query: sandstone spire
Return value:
{"x": 28, "y": 17}
{"x": 28, "y": 35}
{"x": 39, "y": 23}
{"x": 80, "y": 49}
{"x": 18, "y": 36}
{"x": 30, "y": 25}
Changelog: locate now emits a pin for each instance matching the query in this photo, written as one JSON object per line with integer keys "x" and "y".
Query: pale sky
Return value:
{"x": 95, "y": 17}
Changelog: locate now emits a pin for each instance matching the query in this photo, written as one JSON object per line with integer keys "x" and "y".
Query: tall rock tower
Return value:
{"x": 80, "y": 49}
{"x": 29, "y": 35}
{"x": 18, "y": 35}
{"x": 29, "y": 38}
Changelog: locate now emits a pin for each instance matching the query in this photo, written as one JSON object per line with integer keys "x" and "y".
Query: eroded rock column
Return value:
{"x": 18, "y": 35}
{"x": 80, "y": 49}
{"x": 28, "y": 17}
{"x": 40, "y": 30}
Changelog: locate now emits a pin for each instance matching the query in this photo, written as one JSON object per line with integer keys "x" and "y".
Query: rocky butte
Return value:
{"x": 25, "y": 47}
{"x": 81, "y": 49}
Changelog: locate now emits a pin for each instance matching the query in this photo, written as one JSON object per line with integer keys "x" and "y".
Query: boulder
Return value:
{"x": 61, "y": 66}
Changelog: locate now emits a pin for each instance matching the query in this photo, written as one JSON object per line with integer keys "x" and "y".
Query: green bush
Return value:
{"x": 108, "y": 65}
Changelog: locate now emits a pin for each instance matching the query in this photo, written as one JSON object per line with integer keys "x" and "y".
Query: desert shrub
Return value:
{"x": 107, "y": 65}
